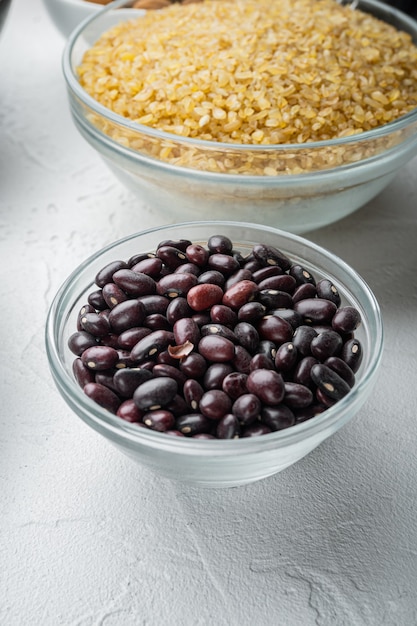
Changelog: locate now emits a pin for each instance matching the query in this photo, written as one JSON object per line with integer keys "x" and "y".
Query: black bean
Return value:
{"x": 327, "y": 290}
{"x": 134, "y": 284}
{"x": 352, "y": 354}
{"x": 269, "y": 255}
{"x": 193, "y": 424}
{"x": 277, "y": 417}
{"x": 302, "y": 338}
{"x": 188, "y": 268}
{"x": 236, "y": 277}
{"x": 165, "y": 369}
{"x": 266, "y": 272}
{"x": 160, "y": 420}
{"x": 247, "y": 408}
{"x": 97, "y": 300}
{"x": 346, "y": 319}
{"x": 228, "y": 427}
{"x": 129, "y": 412}
{"x": 221, "y": 314}
{"x": 234, "y": 384}
{"x": 220, "y": 244}
{"x": 297, "y": 396}
{"x": 212, "y": 277}
{"x": 171, "y": 256}
{"x": 274, "y": 329}
{"x": 275, "y": 299}
{"x": 304, "y": 292}
{"x": 126, "y": 315}
{"x": 329, "y": 382}
{"x": 215, "y": 403}
{"x": 155, "y": 393}
{"x": 216, "y": 349}
{"x": 95, "y": 324}
{"x": 223, "y": 263}
{"x": 154, "y": 303}
{"x": 282, "y": 282}
{"x": 156, "y": 321}
{"x": 215, "y": 374}
{"x": 100, "y": 357}
{"x": 261, "y": 361}
{"x": 255, "y": 430}
{"x": 220, "y": 330}
{"x": 326, "y": 344}
{"x": 301, "y": 274}
{"x": 290, "y": 316}
{"x": 186, "y": 329}
{"x": 268, "y": 385}
{"x": 82, "y": 373}
{"x": 251, "y": 312}
{"x": 86, "y": 308}
{"x": 105, "y": 275}
{"x": 193, "y": 392}
{"x": 175, "y": 285}
{"x": 103, "y": 396}
{"x": 127, "y": 380}
{"x": 151, "y": 345}
{"x": 130, "y": 337}
{"x": 306, "y": 413}
{"x": 151, "y": 266}
{"x": 242, "y": 359}
{"x": 177, "y": 406}
{"x": 80, "y": 341}
{"x": 113, "y": 294}
{"x": 286, "y": 357}
{"x": 316, "y": 310}
{"x": 177, "y": 309}
{"x": 267, "y": 348}
{"x": 247, "y": 336}
{"x": 302, "y": 372}
{"x": 180, "y": 244}
{"x": 193, "y": 365}
{"x": 342, "y": 368}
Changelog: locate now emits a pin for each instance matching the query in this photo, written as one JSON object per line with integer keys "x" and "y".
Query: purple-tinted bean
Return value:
{"x": 86, "y": 308}
{"x": 268, "y": 385}
{"x": 329, "y": 382}
{"x": 215, "y": 374}
{"x": 266, "y": 272}
{"x": 129, "y": 412}
{"x": 219, "y": 330}
{"x": 290, "y": 316}
{"x": 155, "y": 393}
{"x": 326, "y": 344}
{"x": 156, "y": 321}
{"x": 346, "y": 319}
{"x": 221, "y": 314}
{"x": 236, "y": 254}
{"x": 177, "y": 406}
{"x": 212, "y": 277}
{"x": 193, "y": 424}
{"x": 171, "y": 256}
{"x": 255, "y": 430}
{"x": 165, "y": 357}
{"x": 105, "y": 313}
{"x": 302, "y": 338}
{"x": 95, "y": 324}
{"x": 216, "y": 349}
{"x": 324, "y": 399}
{"x": 193, "y": 365}
{"x": 282, "y": 282}
{"x": 342, "y": 368}
{"x": 82, "y": 374}
{"x": 236, "y": 277}
{"x": 275, "y": 329}
{"x": 286, "y": 357}
{"x": 97, "y": 300}
{"x": 316, "y": 310}
{"x": 164, "y": 369}
{"x": 137, "y": 258}
{"x": 240, "y": 293}
{"x": 301, "y": 274}
{"x": 151, "y": 345}
{"x": 242, "y": 359}
{"x": 228, "y": 427}
{"x": 220, "y": 244}
{"x": 124, "y": 359}
{"x": 327, "y": 290}
{"x": 188, "y": 268}
{"x": 234, "y": 384}
{"x": 247, "y": 336}
{"x": 127, "y": 380}
{"x": 80, "y": 341}
{"x": 177, "y": 309}
{"x": 268, "y": 348}
{"x": 134, "y": 284}
{"x": 151, "y": 266}
{"x": 193, "y": 392}
{"x": 113, "y": 295}
{"x": 111, "y": 340}
{"x": 304, "y": 292}
{"x": 302, "y": 372}
{"x": 223, "y": 263}
{"x": 175, "y": 285}
{"x": 103, "y": 396}
{"x": 131, "y": 336}
{"x": 180, "y": 244}
{"x": 125, "y": 315}
{"x": 215, "y": 403}
{"x": 352, "y": 354}
{"x": 105, "y": 275}
{"x": 204, "y": 296}
{"x": 275, "y": 299}
{"x": 277, "y": 417}
{"x": 306, "y": 413}
{"x": 251, "y": 312}
{"x": 269, "y": 255}
{"x": 154, "y": 303}
{"x": 247, "y": 408}
{"x": 106, "y": 378}
{"x": 197, "y": 254}
{"x": 201, "y": 318}
{"x": 100, "y": 357}
{"x": 261, "y": 361}
{"x": 186, "y": 329}
{"x": 159, "y": 420}
{"x": 252, "y": 264}
{"x": 297, "y": 396}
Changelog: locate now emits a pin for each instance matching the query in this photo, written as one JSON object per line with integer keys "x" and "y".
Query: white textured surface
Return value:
{"x": 87, "y": 537}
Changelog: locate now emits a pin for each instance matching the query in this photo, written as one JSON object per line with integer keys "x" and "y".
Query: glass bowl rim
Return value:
{"x": 124, "y": 431}
{"x": 75, "y": 87}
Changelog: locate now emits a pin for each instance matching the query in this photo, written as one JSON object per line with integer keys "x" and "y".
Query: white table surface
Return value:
{"x": 88, "y": 538}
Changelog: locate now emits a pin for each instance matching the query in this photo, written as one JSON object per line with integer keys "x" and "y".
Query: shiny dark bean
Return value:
{"x": 352, "y": 354}
{"x": 215, "y": 374}
{"x": 100, "y": 357}
{"x": 268, "y": 385}
{"x": 268, "y": 348}
{"x": 286, "y": 357}
{"x": 215, "y": 403}
{"x": 171, "y": 256}
{"x": 255, "y": 430}
{"x": 269, "y": 255}
{"x": 324, "y": 399}
{"x": 134, "y": 284}
{"x": 86, "y": 308}
{"x": 275, "y": 329}
{"x": 327, "y": 290}
{"x": 124, "y": 359}
{"x": 223, "y": 263}
{"x": 221, "y": 314}
{"x": 341, "y": 368}
{"x": 236, "y": 277}
{"x": 188, "y": 268}
{"x": 129, "y": 412}
{"x": 275, "y": 299}
{"x": 302, "y": 415}
{"x": 180, "y": 244}
{"x": 113, "y": 295}
{"x": 228, "y": 427}
{"x": 193, "y": 424}
{"x": 290, "y": 316}
{"x": 277, "y": 417}
{"x": 193, "y": 392}
{"x": 166, "y": 357}
{"x": 302, "y": 338}
{"x": 201, "y": 318}
{"x": 234, "y": 384}
{"x": 297, "y": 396}
{"x": 301, "y": 274}
{"x": 177, "y": 406}
{"x": 156, "y": 321}
{"x": 316, "y": 310}
{"x": 193, "y": 365}
{"x": 247, "y": 336}
{"x": 304, "y": 292}
{"x": 220, "y": 330}
{"x": 103, "y": 396}
{"x": 159, "y": 420}
{"x": 126, "y": 315}
{"x": 127, "y": 380}
{"x": 177, "y": 308}
{"x": 186, "y": 329}
{"x": 137, "y": 258}
{"x": 266, "y": 272}
{"x": 154, "y": 303}
{"x": 130, "y": 337}
{"x": 212, "y": 277}
{"x": 106, "y": 378}
{"x": 329, "y": 382}
{"x": 204, "y": 296}
{"x": 175, "y": 285}
{"x": 164, "y": 369}
{"x": 251, "y": 312}
{"x": 216, "y": 349}
{"x": 105, "y": 275}
{"x": 80, "y": 341}
{"x": 326, "y": 344}
{"x": 261, "y": 361}
{"x": 220, "y": 244}
{"x": 242, "y": 360}
{"x": 151, "y": 345}
{"x": 346, "y": 319}
{"x": 302, "y": 372}
{"x": 155, "y": 393}
{"x": 197, "y": 254}
{"x": 247, "y": 408}
{"x": 111, "y": 340}
{"x": 95, "y": 324}
{"x": 82, "y": 373}
{"x": 97, "y": 300}
{"x": 239, "y": 294}
{"x": 283, "y": 282}
{"x": 151, "y": 266}
{"x": 253, "y": 265}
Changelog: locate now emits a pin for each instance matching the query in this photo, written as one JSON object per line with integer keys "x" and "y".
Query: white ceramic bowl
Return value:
{"x": 67, "y": 14}
{"x": 215, "y": 463}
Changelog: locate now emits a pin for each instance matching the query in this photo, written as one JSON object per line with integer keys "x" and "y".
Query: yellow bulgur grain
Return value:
{"x": 254, "y": 71}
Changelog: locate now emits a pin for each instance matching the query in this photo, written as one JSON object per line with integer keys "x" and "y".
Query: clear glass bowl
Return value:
{"x": 315, "y": 184}
{"x": 215, "y": 463}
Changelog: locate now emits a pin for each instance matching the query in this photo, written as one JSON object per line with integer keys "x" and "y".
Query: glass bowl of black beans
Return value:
{"x": 216, "y": 353}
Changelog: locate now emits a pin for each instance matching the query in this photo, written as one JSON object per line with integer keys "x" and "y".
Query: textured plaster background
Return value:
{"x": 90, "y": 539}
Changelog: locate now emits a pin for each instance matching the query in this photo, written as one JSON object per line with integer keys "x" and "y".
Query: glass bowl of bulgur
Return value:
{"x": 289, "y": 114}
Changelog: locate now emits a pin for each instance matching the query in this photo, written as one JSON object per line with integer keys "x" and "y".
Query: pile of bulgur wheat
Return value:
{"x": 256, "y": 72}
